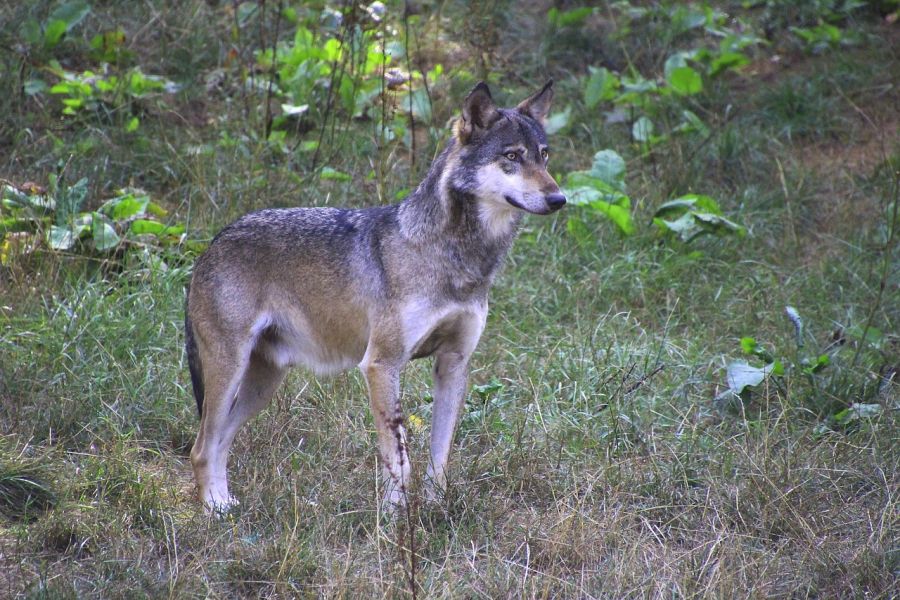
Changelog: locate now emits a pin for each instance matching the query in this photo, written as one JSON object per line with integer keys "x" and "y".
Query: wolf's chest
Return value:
{"x": 453, "y": 326}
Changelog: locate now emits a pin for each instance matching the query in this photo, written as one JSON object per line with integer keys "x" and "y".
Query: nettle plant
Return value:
{"x": 601, "y": 192}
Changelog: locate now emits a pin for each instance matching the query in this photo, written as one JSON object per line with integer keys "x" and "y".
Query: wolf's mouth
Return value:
{"x": 515, "y": 203}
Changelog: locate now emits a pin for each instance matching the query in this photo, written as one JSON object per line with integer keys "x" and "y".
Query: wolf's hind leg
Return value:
{"x": 226, "y": 408}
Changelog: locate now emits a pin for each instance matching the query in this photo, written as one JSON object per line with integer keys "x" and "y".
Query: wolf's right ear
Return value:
{"x": 478, "y": 114}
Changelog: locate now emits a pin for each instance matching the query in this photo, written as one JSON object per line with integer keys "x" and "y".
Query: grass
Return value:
{"x": 592, "y": 459}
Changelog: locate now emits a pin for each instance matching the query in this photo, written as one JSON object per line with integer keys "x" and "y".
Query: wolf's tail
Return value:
{"x": 194, "y": 364}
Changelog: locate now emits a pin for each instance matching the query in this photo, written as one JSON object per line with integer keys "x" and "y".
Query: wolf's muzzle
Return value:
{"x": 555, "y": 201}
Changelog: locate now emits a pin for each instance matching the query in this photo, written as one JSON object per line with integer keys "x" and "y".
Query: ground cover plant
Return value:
{"x": 688, "y": 384}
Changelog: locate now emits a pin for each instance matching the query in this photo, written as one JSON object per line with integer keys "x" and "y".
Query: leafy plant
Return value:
{"x": 47, "y": 35}
{"x": 55, "y": 218}
{"x": 646, "y": 99}
{"x": 694, "y": 215}
{"x": 599, "y": 191}
{"x": 572, "y": 17}
{"x": 87, "y": 90}
{"x": 802, "y": 372}
{"x": 821, "y": 37}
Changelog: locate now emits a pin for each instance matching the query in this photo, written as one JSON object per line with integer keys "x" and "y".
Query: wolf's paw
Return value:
{"x": 434, "y": 491}
{"x": 219, "y": 504}
{"x": 394, "y": 501}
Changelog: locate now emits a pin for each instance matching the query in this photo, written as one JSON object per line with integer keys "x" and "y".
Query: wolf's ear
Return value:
{"x": 538, "y": 106}
{"x": 478, "y": 113}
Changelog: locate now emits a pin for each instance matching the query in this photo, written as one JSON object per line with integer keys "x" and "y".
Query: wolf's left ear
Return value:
{"x": 538, "y": 106}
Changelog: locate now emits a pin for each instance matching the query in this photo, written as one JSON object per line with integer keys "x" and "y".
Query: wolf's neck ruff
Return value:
{"x": 442, "y": 207}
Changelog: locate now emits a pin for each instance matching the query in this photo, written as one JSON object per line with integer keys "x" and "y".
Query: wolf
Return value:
{"x": 330, "y": 288}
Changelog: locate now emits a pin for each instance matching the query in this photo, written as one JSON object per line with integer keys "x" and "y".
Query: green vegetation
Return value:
{"x": 688, "y": 386}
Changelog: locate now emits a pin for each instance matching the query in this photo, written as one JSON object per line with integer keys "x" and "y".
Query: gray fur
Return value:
{"x": 330, "y": 288}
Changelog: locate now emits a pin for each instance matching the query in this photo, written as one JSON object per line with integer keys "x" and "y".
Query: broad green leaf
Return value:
{"x": 155, "y": 209}
{"x": 569, "y": 18}
{"x": 61, "y": 238}
{"x": 823, "y": 361}
{"x": 685, "y": 81}
{"x": 858, "y": 411}
{"x": 642, "y": 130}
{"x": 486, "y": 389}
{"x": 126, "y": 207}
{"x": 142, "y": 226}
{"x": 71, "y": 13}
{"x": 69, "y": 200}
{"x": 617, "y": 214}
{"x": 419, "y": 103}
{"x": 686, "y": 203}
{"x": 609, "y": 166}
{"x": 132, "y": 124}
{"x": 557, "y": 121}
{"x": 103, "y": 233}
{"x": 577, "y": 179}
{"x": 600, "y": 85}
{"x": 748, "y": 345}
{"x": 33, "y": 87}
{"x": 680, "y": 59}
{"x": 331, "y": 173}
{"x": 740, "y": 375}
{"x": 53, "y": 33}
{"x": 290, "y": 109}
{"x": 146, "y": 226}
{"x": 31, "y": 32}
{"x": 685, "y": 227}
{"x": 584, "y": 195}
{"x": 637, "y": 83}
{"x": 727, "y": 60}
{"x": 590, "y": 196}
{"x": 718, "y": 224}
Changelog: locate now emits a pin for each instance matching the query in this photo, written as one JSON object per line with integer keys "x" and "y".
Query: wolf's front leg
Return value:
{"x": 450, "y": 375}
{"x": 383, "y": 380}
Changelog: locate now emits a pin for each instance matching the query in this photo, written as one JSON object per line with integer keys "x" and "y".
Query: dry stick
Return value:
{"x": 236, "y": 28}
{"x": 381, "y": 139}
{"x": 329, "y": 101}
{"x": 356, "y": 61}
{"x": 424, "y": 79}
{"x": 411, "y": 576}
{"x": 267, "y": 125}
{"x": 412, "y": 119}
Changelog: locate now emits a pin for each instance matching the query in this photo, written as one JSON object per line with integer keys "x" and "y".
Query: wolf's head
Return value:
{"x": 503, "y": 155}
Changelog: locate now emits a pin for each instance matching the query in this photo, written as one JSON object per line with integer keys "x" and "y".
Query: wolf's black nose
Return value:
{"x": 555, "y": 201}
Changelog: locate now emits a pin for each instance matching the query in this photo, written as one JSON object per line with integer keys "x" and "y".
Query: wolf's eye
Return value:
{"x": 512, "y": 155}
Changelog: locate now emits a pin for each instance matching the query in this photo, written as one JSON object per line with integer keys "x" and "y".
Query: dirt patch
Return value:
{"x": 836, "y": 158}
